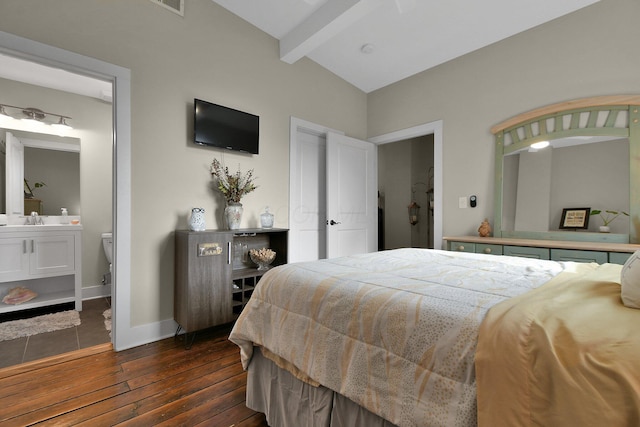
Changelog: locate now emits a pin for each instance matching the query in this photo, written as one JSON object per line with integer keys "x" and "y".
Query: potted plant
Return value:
{"x": 607, "y": 216}
{"x": 28, "y": 191}
{"x": 233, "y": 187}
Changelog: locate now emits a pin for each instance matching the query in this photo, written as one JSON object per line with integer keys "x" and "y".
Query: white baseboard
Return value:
{"x": 97, "y": 291}
{"x": 137, "y": 335}
{"x": 145, "y": 334}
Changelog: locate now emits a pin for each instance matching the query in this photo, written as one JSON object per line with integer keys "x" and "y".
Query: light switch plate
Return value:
{"x": 462, "y": 202}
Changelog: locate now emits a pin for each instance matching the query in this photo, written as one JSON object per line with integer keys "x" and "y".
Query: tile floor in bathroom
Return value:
{"x": 90, "y": 332}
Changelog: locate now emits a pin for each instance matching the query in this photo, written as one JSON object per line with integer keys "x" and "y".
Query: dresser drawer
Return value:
{"x": 619, "y": 257}
{"x": 485, "y": 248}
{"x": 462, "y": 247}
{"x": 579, "y": 256}
{"x": 526, "y": 252}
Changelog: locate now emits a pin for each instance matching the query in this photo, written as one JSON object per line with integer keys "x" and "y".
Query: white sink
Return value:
{"x": 27, "y": 227}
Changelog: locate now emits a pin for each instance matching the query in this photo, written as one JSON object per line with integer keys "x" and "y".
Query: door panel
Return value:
{"x": 52, "y": 254}
{"x": 351, "y": 196}
{"x": 14, "y": 260}
{"x": 308, "y": 191}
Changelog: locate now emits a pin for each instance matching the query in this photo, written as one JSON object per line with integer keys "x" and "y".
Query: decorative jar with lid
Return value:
{"x": 266, "y": 218}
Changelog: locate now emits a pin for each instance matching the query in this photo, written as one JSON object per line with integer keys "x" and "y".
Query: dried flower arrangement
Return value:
{"x": 232, "y": 186}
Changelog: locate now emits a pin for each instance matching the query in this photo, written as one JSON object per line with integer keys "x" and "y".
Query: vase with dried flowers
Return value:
{"x": 233, "y": 187}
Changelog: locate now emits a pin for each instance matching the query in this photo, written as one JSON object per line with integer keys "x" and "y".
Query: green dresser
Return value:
{"x": 601, "y": 253}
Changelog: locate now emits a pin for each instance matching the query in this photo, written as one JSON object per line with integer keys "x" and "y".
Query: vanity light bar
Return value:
{"x": 35, "y": 115}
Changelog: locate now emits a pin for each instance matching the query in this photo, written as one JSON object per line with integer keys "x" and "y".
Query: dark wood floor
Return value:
{"x": 155, "y": 384}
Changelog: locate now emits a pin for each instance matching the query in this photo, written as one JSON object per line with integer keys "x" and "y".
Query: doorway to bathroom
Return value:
{"x": 72, "y": 172}
{"x": 94, "y": 261}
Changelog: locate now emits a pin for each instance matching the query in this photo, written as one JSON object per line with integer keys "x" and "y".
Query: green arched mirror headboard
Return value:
{"x": 594, "y": 162}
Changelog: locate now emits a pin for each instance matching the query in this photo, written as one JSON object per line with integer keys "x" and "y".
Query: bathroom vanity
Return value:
{"x": 43, "y": 258}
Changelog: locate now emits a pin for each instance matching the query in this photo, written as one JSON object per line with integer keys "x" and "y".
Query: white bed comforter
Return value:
{"x": 394, "y": 331}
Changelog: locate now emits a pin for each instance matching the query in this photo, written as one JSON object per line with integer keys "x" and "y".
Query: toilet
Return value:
{"x": 107, "y": 245}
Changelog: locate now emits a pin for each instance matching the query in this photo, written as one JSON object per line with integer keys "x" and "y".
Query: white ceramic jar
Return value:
{"x": 197, "y": 221}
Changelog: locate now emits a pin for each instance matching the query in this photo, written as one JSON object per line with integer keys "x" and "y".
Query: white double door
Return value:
{"x": 333, "y": 199}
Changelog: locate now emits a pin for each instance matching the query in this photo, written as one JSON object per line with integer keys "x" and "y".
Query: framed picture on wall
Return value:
{"x": 575, "y": 218}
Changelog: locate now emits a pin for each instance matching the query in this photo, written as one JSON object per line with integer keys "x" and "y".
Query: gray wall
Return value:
{"x": 209, "y": 54}
{"x": 587, "y": 53}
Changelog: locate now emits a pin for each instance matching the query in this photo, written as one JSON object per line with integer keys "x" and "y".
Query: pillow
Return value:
{"x": 630, "y": 281}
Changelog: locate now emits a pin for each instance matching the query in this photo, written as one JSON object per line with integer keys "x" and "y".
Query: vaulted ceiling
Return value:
{"x": 373, "y": 43}
{"x": 369, "y": 43}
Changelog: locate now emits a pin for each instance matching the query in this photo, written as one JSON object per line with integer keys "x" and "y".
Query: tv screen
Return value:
{"x": 224, "y": 127}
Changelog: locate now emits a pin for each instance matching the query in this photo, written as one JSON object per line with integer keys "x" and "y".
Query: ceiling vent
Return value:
{"x": 176, "y": 6}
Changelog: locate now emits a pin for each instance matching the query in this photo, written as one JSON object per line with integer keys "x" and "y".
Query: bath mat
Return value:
{"x": 107, "y": 320}
{"x": 39, "y": 324}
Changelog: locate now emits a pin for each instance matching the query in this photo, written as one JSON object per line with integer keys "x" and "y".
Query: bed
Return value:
{"x": 416, "y": 337}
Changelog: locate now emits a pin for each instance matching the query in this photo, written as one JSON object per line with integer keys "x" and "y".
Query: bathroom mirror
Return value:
{"x": 51, "y": 167}
{"x": 589, "y": 163}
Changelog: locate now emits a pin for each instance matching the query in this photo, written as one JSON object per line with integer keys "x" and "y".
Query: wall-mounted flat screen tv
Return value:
{"x": 224, "y": 127}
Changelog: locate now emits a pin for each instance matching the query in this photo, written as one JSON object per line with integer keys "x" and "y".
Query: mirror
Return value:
{"x": 591, "y": 163}
{"x": 571, "y": 173}
{"x": 50, "y": 171}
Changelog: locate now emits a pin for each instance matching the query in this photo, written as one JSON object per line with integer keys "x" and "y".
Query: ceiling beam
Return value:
{"x": 330, "y": 19}
{"x": 405, "y": 6}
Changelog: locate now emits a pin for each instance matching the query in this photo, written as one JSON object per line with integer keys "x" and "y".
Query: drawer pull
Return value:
{"x": 487, "y": 250}
{"x": 461, "y": 248}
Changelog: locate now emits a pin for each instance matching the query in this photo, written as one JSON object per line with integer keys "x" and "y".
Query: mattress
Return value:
{"x": 395, "y": 332}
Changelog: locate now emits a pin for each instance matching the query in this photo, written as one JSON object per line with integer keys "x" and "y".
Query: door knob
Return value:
{"x": 332, "y": 222}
